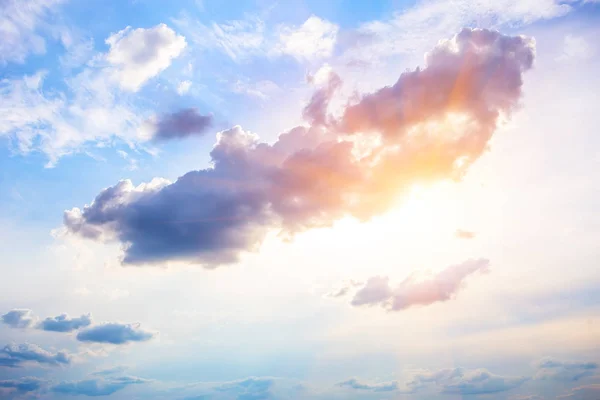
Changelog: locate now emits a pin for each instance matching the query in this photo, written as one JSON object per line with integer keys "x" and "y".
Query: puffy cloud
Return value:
{"x": 412, "y": 292}
{"x": 429, "y": 126}
{"x": 20, "y": 26}
{"x": 372, "y": 387}
{"x": 140, "y": 54}
{"x": 22, "y": 385}
{"x": 19, "y": 318}
{"x": 549, "y": 368}
{"x": 181, "y": 124}
{"x": 96, "y": 387}
{"x": 115, "y": 333}
{"x": 588, "y": 392}
{"x": 13, "y": 355}
{"x": 64, "y": 323}
{"x": 464, "y": 234}
{"x": 315, "y": 38}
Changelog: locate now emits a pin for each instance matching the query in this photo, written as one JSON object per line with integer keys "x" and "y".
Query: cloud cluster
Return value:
{"x": 429, "y": 126}
{"x": 93, "y": 105}
{"x": 13, "y": 355}
{"x": 115, "y": 333}
{"x": 441, "y": 286}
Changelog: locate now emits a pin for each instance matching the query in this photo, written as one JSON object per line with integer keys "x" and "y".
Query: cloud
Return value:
{"x": 19, "y": 318}
{"x": 21, "y": 27}
{"x": 372, "y": 387}
{"x": 115, "y": 333}
{"x": 64, "y": 323}
{"x": 315, "y": 38}
{"x": 439, "y": 287}
{"x": 589, "y": 392}
{"x": 236, "y": 38}
{"x": 22, "y": 385}
{"x": 138, "y": 55}
{"x": 420, "y": 26}
{"x": 119, "y": 369}
{"x": 464, "y": 234}
{"x": 549, "y": 368}
{"x": 457, "y": 381}
{"x": 183, "y": 87}
{"x": 431, "y": 125}
{"x": 248, "y": 389}
{"x": 13, "y": 355}
{"x": 96, "y": 387}
{"x": 181, "y": 124}
{"x": 461, "y": 381}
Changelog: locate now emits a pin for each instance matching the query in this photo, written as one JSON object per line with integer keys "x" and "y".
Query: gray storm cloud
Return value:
{"x": 430, "y": 125}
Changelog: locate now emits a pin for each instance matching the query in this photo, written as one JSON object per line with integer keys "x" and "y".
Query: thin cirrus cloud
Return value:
{"x": 97, "y": 386}
{"x": 431, "y": 125}
{"x": 115, "y": 333}
{"x": 21, "y": 27}
{"x": 13, "y": 355}
{"x": 439, "y": 287}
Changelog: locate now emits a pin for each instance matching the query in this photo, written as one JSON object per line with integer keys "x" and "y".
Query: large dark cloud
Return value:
{"x": 64, "y": 323}
{"x": 19, "y": 318}
{"x": 96, "y": 387}
{"x": 115, "y": 333}
{"x": 430, "y": 125}
{"x": 413, "y": 292}
{"x": 181, "y": 124}
{"x": 13, "y": 355}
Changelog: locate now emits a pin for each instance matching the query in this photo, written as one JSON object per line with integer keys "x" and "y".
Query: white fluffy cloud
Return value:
{"x": 140, "y": 54}
{"x": 315, "y": 38}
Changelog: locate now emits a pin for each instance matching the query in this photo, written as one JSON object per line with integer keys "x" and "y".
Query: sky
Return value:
{"x": 299, "y": 199}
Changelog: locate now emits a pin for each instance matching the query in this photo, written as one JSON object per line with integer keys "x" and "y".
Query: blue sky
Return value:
{"x": 299, "y": 199}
